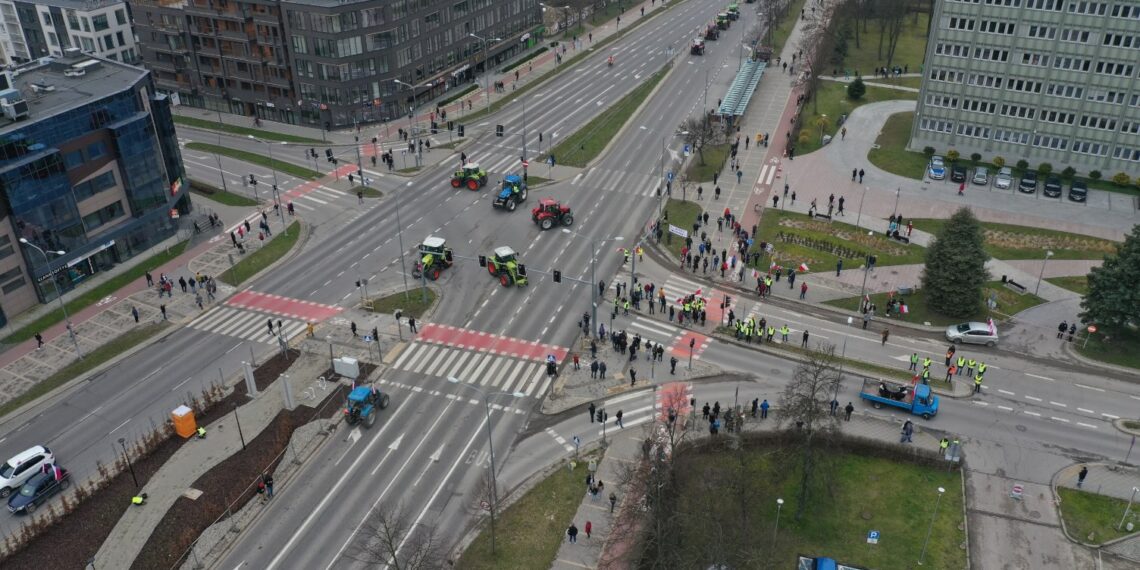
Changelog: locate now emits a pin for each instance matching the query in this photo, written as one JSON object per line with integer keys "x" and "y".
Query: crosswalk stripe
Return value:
{"x": 442, "y": 363}
{"x": 423, "y": 357}
{"x": 404, "y": 355}
{"x": 535, "y": 376}
{"x": 493, "y": 373}
{"x": 483, "y": 360}
{"x": 516, "y": 375}
{"x": 650, "y": 324}
{"x": 324, "y": 194}
{"x": 243, "y": 324}
{"x": 542, "y": 390}
{"x": 334, "y": 191}
{"x": 311, "y": 198}
{"x": 463, "y": 357}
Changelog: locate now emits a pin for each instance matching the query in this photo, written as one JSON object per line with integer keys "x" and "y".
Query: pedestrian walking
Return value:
{"x": 613, "y": 502}
{"x": 672, "y": 364}
{"x": 576, "y": 366}
{"x": 162, "y": 309}
{"x": 351, "y": 326}
{"x": 412, "y": 324}
{"x": 848, "y": 409}
{"x": 572, "y": 533}
{"x": 860, "y": 181}
{"x": 913, "y": 362}
{"x": 267, "y": 479}
{"x": 907, "y": 432}
{"x": 135, "y": 313}
{"x": 764, "y": 409}
{"x": 589, "y": 525}
{"x": 1064, "y": 326}
{"x": 149, "y": 279}
{"x": 805, "y": 341}
{"x": 1081, "y": 476}
{"x": 739, "y": 175}
{"x": 803, "y": 291}
{"x": 978, "y": 384}
{"x": 618, "y": 420}
{"x": 834, "y": 406}
{"x": 39, "y": 341}
{"x": 886, "y": 334}
{"x": 632, "y": 373}
{"x": 594, "y": 369}
{"x": 593, "y": 410}
{"x": 601, "y": 370}
{"x": 943, "y": 445}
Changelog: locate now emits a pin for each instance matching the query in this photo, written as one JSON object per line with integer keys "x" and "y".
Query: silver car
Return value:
{"x": 981, "y": 176}
{"x": 1004, "y": 178}
{"x": 972, "y": 333}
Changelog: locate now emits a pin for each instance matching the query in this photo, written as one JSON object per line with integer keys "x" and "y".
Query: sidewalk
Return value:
{"x": 625, "y": 449}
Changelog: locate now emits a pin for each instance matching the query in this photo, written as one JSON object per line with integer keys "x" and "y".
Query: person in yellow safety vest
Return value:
{"x": 955, "y": 442}
{"x": 139, "y": 500}
{"x": 310, "y": 329}
{"x": 771, "y": 332}
{"x": 926, "y": 363}
{"x": 784, "y": 330}
{"x": 970, "y": 366}
{"x": 640, "y": 253}
{"x": 625, "y": 252}
{"x": 981, "y": 368}
{"x": 942, "y": 445}
{"x": 914, "y": 361}
{"x": 961, "y": 364}
{"x": 625, "y": 306}
{"x": 687, "y": 306}
{"x": 926, "y": 376}
{"x": 201, "y": 432}
{"x": 977, "y": 383}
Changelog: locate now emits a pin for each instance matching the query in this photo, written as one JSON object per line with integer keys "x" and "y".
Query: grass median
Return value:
{"x": 258, "y": 159}
{"x": 1118, "y": 350}
{"x": 1007, "y": 241}
{"x": 1078, "y": 284}
{"x": 1008, "y": 303}
{"x": 821, "y": 244}
{"x": 681, "y": 214}
{"x": 1093, "y": 518}
{"x": 90, "y": 361}
{"x": 833, "y": 102}
{"x": 269, "y": 253}
{"x": 588, "y": 142}
{"x": 715, "y": 157}
{"x": 95, "y": 294}
{"x": 211, "y": 192}
{"x": 242, "y": 131}
{"x": 411, "y": 303}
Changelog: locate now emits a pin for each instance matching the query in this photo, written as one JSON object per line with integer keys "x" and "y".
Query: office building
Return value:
{"x": 89, "y": 165}
{"x": 325, "y": 63}
{"x": 31, "y": 30}
{"x": 1051, "y": 81}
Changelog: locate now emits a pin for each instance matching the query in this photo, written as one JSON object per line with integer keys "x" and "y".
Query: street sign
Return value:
{"x": 1092, "y": 328}
{"x": 1016, "y": 492}
{"x": 678, "y": 231}
{"x": 367, "y": 338}
{"x": 526, "y": 163}
{"x": 669, "y": 176}
{"x": 873, "y": 537}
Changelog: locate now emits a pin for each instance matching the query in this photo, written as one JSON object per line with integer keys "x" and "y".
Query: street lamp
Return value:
{"x": 931, "y": 527}
{"x": 58, "y": 295}
{"x": 661, "y": 195}
{"x": 859, "y": 216}
{"x": 127, "y": 456}
{"x": 1129, "y": 507}
{"x": 486, "y": 66}
{"x": 594, "y": 243}
{"x": 776, "y": 529}
{"x": 412, "y": 111}
{"x": 273, "y": 167}
{"x": 490, "y": 444}
{"x": 1041, "y": 276}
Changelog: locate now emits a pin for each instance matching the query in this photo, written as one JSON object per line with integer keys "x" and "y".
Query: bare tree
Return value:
{"x": 805, "y": 404}
{"x": 388, "y": 537}
{"x": 895, "y": 11}
{"x": 697, "y": 132}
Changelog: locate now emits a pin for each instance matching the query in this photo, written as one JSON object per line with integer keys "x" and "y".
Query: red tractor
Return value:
{"x": 550, "y": 213}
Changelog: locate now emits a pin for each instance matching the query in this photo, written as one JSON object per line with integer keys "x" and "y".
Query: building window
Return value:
{"x": 942, "y": 101}
{"x": 121, "y": 17}
{"x": 103, "y": 216}
{"x": 12, "y": 280}
{"x": 73, "y": 159}
{"x": 1048, "y": 141}
{"x": 978, "y": 106}
{"x": 1024, "y": 85}
{"x": 1112, "y": 68}
{"x": 100, "y": 183}
{"x": 1014, "y": 137}
{"x": 6, "y": 246}
{"x": 100, "y": 22}
{"x": 1102, "y": 123}
{"x": 1010, "y": 3}
{"x": 1090, "y": 8}
{"x": 1093, "y": 148}
{"x": 1065, "y": 91}
{"x": 1131, "y": 11}
{"x": 995, "y": 27}
{"x": 1059, "y": 117}
{"x": 936, "y": 125}
{"x": 96, "y": 149}
{"x": 1072, "y": 63}
{"x": 1019, "y": 111}
{"x": 1053, "y": 5}
{"x": 961, "y": 24}
{"x": 1043, "y": 32}
{"x": 1122, "y": 40}
{"x": 1123, "y": 153}
{"x": 1075, "y": 36}
{"x": 1035, "y": 59}
{"x": 1103, "y": 96}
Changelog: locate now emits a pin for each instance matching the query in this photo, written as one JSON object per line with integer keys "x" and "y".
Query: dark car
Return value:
{"x": 957, "y": 173}
{"x": 40, "y": 488}
{"x": 1079, "y": 191}
{"x": 1028, "y": 183}
{"x": 1052, "y": 187}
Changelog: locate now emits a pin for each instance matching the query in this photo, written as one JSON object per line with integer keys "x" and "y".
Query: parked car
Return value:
{"x": 957, "y": 173}
{"x": 1004, "y": 178}
{"x": 972, "y": 333}
{"x": 937, "y": 168}
{"x": 981, "y": 176}
{"x": 38, "y": 489}
{"x": 1028, "y": 183}
{"x": 17, "y": 470}
{"x": 1079, "y": 191}
{"x": 1052, "y": 187}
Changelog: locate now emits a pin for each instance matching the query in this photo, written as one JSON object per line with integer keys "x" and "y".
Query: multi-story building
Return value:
{"x": 1041, "y": 80}
{"x": 31, "y": 30}
{"x": 89, "y": 165}
{"x": 326, "y": 63}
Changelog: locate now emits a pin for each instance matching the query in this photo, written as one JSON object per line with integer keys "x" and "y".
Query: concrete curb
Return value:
{"x": 1072, "y": 352}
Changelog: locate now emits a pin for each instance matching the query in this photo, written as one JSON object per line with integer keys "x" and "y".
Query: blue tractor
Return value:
{"x": 513, "y": 191}
{"x": 363, "y": 401}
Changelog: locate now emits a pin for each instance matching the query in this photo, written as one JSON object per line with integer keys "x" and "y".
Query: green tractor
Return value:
{"x": 362, "y": 404}
{"x": 733, "y": 11}
{"x": 471, "y": 176}
{"x": 722, "y": 20}
{"x": 436, "y": 257}
{"x": 504, "y": 264}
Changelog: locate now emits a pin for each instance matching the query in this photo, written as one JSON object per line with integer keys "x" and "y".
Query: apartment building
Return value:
{"x": 326, "y": 63}
{"x": 1054, "y": 81}
{"x": 89, "y": 166}
{"x": 31, "y": 30}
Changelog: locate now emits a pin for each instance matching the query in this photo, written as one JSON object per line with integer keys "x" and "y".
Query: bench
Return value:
{"x": 1016, "y": 287}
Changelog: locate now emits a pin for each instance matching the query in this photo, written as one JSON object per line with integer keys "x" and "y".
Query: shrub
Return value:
{"x": 1023, "y": 165}
{"x": 976, "y": 157}
{"x": 1044, "y": 169}
{"x": 953, "y": 156}
{"x": 1069, "y": 172}
{"x": 856, "y": 89}
{"x": 928, "y": 151}
{"x": 1095, "y": 174}
{"x": 999, "y": 161}
{"x": 1121, "y": 179}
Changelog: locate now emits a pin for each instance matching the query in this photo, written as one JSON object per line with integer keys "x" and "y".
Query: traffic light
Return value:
{"x": 522, "y": 270}
{"x": 328, "y": 153}
{"x": 692, "y": 342}
{"x": 727, "y": 301}
{"x": 459, "y": 130}
{"x": 251, "y": 180}
{"x": 447, "y": 255}
{"x": 451, "y": 125}
{"x": 482, "y": 261}
{"x": 598, "y": 415}
{"x": 398, "y": 314}
{"x": 498, "y": 130}
{"x": 376, "y": 334}
{"x": 375, "y": 140}
{"x": 557, "y": 276}
{"x": 274, "y": 187}
{"x": 358, "y": 283}
{"x": 540, "y": 137}
{"x": 312, "y": 152}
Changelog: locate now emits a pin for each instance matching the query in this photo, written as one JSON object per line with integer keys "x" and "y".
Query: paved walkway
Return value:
{"x": 877, "y": 82}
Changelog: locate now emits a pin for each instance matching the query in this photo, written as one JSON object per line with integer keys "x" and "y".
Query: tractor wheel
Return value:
{"x": 472, "y": 184}
{"x": 492, "y": 269}
{"x": 455, "y": 183}
{"x": 511, "y": 204}
{"x": 505, "y": 280}
{"x": 384, "y": 401}
{"x": 434, "y": 274}
{"x": 567, "y": 219}
{"x": 546, "y": 223}
{"x": 522, "y": 195}
{"x": 370, "y": 420}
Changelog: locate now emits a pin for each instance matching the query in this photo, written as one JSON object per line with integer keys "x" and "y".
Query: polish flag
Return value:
{"x": 803, "y": 268}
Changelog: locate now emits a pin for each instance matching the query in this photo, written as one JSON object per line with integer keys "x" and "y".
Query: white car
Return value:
{"x": 937, "y": 168}
{"x": 17, "y": 470}
{"x": 1004, "y": 178}
{"x": 972, "y": 333}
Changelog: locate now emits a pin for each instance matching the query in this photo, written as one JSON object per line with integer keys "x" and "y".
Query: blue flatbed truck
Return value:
{"x": 917, "y": 399}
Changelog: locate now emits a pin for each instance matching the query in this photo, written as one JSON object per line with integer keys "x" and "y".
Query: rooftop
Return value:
{"x": 49, "y": 91}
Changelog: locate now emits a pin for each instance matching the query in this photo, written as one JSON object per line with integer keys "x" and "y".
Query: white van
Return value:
{"x": 17, "y": 470}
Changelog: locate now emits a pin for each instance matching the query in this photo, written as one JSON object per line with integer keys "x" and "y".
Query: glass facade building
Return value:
{"x": 94, "y": 170}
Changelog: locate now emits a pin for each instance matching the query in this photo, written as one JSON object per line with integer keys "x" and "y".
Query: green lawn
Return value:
{"x": 909, "y": 51}
{"x": 1093, "y": 518}
{"x": 784, "y": 28}
{"x": 587, "y": 142}
{"x": 529, "y": 532}
{"x": 1077, "y": 283}
{"x": 682, "y": 214}
{"x": 369, "y": 192}
{"x": 1007, "y": 241}
{"x": 1008, "y": 303}
{"x": 850, "y": 496}
{"x": 715, "y": 158}
{"x": 211, "y": 192}
{"x": 264, "y": 257}
{"x": 833, "y": 102}
{"x": 90, "y": 361}
{"x": 891, "y": 154}
{"x": 256, "y": 158}
{"x": 95, "y": 294}
{"x": 242, "y": 131}
{"x": 411, "y": 303}
{"x": 1118, "y": 351}
{"x": 818, "y": 243}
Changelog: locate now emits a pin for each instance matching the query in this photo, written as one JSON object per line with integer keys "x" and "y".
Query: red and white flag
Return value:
{"x": 803, "y": 268}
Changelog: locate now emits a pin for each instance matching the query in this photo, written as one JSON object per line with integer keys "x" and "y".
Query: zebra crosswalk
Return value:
{"x": 490, "y": 371}
{"x": 246, "y": 325}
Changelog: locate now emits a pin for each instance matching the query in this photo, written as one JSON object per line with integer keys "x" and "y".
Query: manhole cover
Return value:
{"x": 865, "y": 515}
{"x": 1035, "y": 514}
{"x": 1020, "y": 427}
{"x": 775, "y": 371}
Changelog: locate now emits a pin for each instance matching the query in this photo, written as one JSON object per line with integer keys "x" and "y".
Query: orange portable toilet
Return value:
{"x": 184, "y": 423}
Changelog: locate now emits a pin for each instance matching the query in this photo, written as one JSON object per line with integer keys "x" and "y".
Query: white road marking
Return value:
{"x": 1034, "y": 399}
{"x": 1110, "y": 416}
{"x": 1046, "y": 378}
{"x": 1085, "y": 411}
{"x": 1005, "y": 408}
{"x": 1082, "y": 424}
{"x": 1006, "y": 392}
{"x": 1058, "y": 404}
{"x": 1091, "y": 388}
{"x": 1032, "y": 413}
{"x": 1059, "y": 419}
